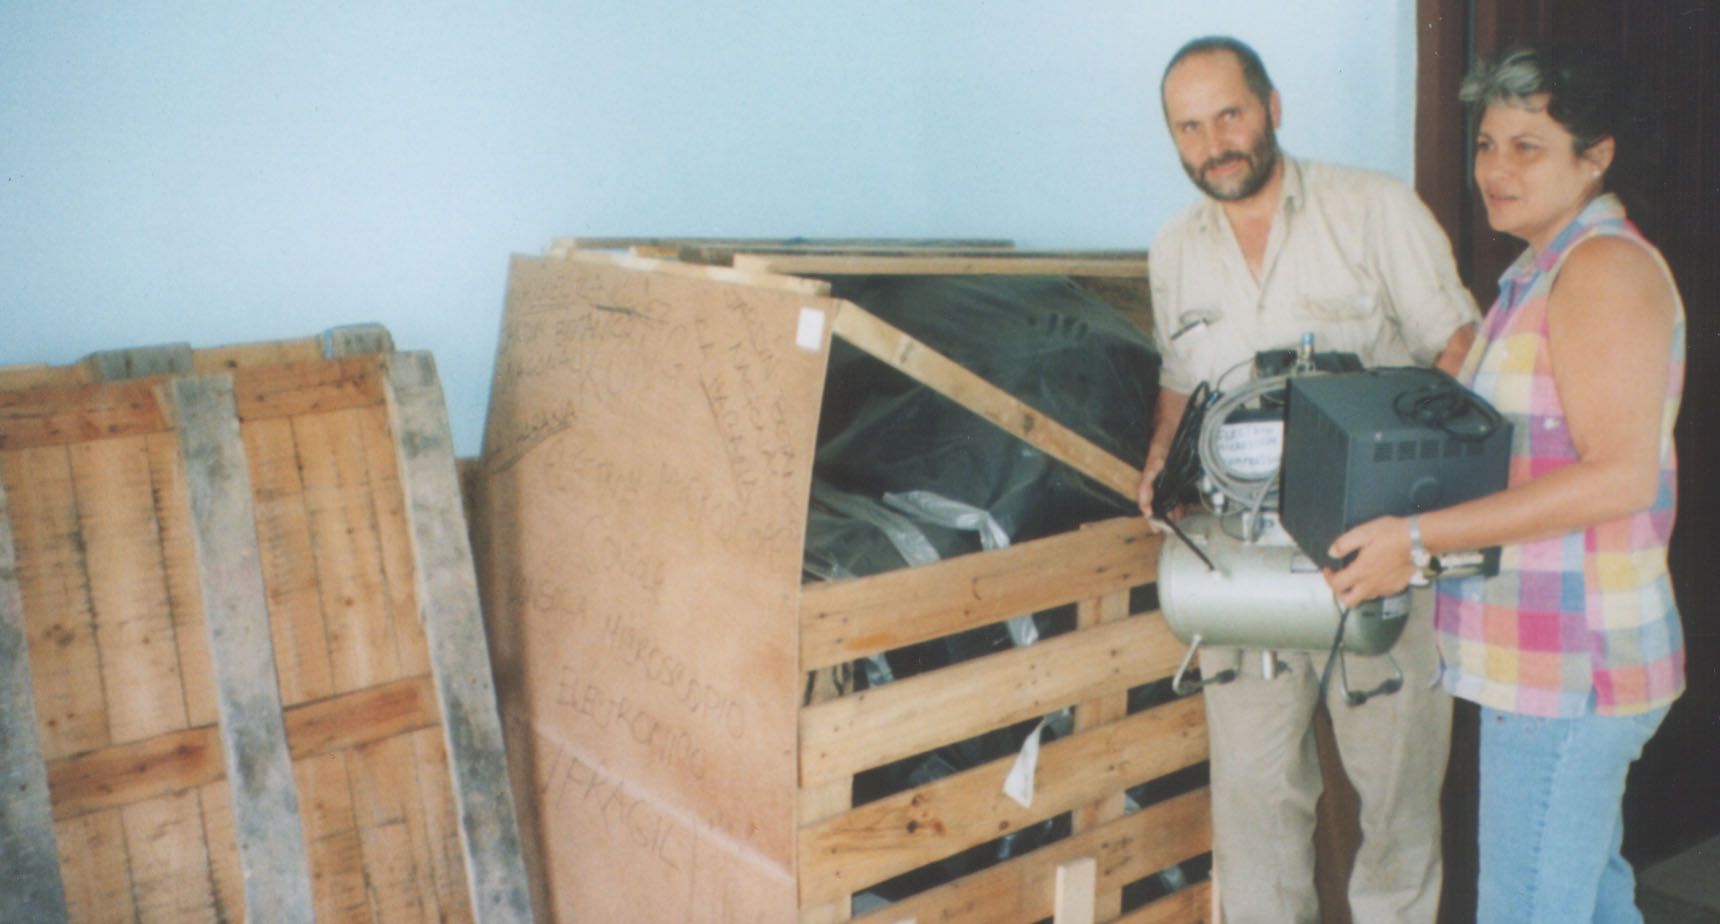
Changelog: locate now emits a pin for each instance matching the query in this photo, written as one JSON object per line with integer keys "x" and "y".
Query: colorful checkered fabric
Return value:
{"x": 1584, "y": 621}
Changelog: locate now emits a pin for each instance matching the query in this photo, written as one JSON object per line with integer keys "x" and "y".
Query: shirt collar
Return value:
{"x": 1603, "y": 208}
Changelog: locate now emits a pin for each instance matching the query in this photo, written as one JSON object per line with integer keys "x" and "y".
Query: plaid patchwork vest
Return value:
{"x": 1582, "y": 622}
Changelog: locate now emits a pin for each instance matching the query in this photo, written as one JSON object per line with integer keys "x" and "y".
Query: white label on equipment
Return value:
{"x": 1251, "y": 449}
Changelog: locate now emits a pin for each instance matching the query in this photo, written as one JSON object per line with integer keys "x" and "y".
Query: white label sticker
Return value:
{"x": 810, "y": 334}
{"x": 1251, "y": 449}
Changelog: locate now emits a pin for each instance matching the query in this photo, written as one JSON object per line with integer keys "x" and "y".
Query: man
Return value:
{"x": 1274, "y": 249}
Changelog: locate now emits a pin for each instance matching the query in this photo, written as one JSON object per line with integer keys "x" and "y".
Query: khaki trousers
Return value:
{"x": 1266, "y": 779}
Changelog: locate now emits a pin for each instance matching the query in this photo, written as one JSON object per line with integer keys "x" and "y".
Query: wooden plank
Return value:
{"x": 128, "y": 592}
{"x": 1074, "y": 901}
{"x": 955, "y": 703}
{"x": 720, "y": 274}
{"x": 447, "y": 592}
{"x": 905, "y": 831}
{"x": 816, "y": 243}
{"x": 289, "y": 561}
{"x": 294, "y": 389}
{"x": 345, "y": 548}
{"x": 30, "y": 887}
{"x": 843, "y": 620}
{"x": 92, "y": 849}
{"x": 864, "y": 265}
{"x": 239, "y": 355}
{"x": 356, "y": 340}
{"x": 953, "y": 381}
{"x": 1184, "y": 906}
{"x": 1093, "y": 714}
{"x": 136, "y": 362}
{"x": 254, "y": 744}
{"x": 71, "y": 714}
{"x": 394, "y": 542}
{"x": 227, "y": 879}
{"x": 60, "y": 416}
{"x": 336, "y": 852}
{"x": 115, "y": 776}
{"x": 168, "y": 860}
{"x": 179, "y": 566}
{"x": 1020, "y": 890}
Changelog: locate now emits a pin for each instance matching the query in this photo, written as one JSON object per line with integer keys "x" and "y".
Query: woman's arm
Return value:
{"x": 1609, "y": 326}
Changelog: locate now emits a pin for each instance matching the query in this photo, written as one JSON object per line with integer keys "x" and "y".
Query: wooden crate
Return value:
{"x": 245, "y": 675}
{"x": 644, "y": 492}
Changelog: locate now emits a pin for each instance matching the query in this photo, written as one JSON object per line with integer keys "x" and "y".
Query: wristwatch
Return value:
{"x": 1426, "y": 566}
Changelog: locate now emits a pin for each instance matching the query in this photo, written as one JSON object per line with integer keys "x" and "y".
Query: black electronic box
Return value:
{"x": 1384, "y": 442}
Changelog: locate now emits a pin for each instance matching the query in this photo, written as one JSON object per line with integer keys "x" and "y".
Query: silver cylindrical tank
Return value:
{"x": 1262, "y": 594}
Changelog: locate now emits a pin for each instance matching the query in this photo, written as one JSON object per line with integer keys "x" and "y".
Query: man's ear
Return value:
{"x": 1275, "y": 109}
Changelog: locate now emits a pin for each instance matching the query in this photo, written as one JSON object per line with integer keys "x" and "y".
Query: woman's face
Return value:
{"x": 1531, "y": 179}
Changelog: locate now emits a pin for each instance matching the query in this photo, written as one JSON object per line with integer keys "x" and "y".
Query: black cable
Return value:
{"x": 1182, "y": 458}
{"x": 1440, "y": 404}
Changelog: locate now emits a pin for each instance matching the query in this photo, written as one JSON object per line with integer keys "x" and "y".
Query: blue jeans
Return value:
{"x": 1552, "y": 818}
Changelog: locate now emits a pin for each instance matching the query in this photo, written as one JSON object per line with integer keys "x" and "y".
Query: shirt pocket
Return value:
{"x": 1346, "y": 322}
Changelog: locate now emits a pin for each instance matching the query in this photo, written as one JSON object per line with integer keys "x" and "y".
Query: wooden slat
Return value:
{"x": 356, "y": 340}
{"x": 289, "y": 561}
{"x": 1093, "y": 714}
{"x": 52, "y": 574}
{"x": 1184, "y": 906}
{"x": 179, "y": 568}
{"x": 128, "y": 591}
{"x": 865, "y": 265}
{"x": 30, "y": 888}
{"x": 254, "y": 744}
{"x": 905, "y": 831}
{"x": 167, "y": 859}
{"x": 957, "y": 702}
{"x": 953, "y": 381}
{"x": 115, "y": 776}
{"x": 447, "y": 593}
{"x": 744, "y": 243}
{"x": 239, "y": 355}
{"x": 1074, "y": 902}
{"x": 91, "y": 848}
{"x": 1020, "y": 890}
{"x": 137, "y": 362}
{"x": 843, "y": 620}
{"x": 720, "y": 274}
{"x": 60, "y": 416}
{"x": 332, "y": 837}
{"x": 345, "y": 548}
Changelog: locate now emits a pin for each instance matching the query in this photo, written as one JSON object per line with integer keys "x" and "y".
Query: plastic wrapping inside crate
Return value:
{"x": 1050, "y": 343}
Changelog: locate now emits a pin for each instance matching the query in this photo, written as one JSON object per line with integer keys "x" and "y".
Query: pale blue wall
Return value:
{"x": 221, "y": 173}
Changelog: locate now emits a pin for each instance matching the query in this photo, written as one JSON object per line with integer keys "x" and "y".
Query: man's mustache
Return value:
{"x": 1223, "y": 159}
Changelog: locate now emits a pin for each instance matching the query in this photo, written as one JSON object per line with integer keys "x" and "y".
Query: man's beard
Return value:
{"x": 1260, "y": 160}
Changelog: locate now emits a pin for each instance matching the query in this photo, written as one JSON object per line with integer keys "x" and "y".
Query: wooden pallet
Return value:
{"x": 640, "y": 513}
{"x": 244, "y": 668}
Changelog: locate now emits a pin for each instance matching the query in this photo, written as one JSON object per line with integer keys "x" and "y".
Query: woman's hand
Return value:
{"x": 1382, "y": 566}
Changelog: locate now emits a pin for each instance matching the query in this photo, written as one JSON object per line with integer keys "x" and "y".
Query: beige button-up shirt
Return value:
{"x": 1354, "y": 257}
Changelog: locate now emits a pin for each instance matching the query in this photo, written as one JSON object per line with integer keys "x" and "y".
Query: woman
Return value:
{"x": 1574, "y": 650}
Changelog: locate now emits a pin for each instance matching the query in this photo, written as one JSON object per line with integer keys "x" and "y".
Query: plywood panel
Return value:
{"x": 659, "y": 588}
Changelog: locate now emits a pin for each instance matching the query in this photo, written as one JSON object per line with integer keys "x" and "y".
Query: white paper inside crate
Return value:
{"x": 647, "y": 465}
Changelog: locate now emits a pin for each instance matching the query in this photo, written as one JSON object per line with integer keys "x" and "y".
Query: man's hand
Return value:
{"x": 1149, "y": 472}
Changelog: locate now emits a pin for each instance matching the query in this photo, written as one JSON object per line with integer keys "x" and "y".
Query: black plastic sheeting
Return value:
{"x": 1052, "y": 344}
